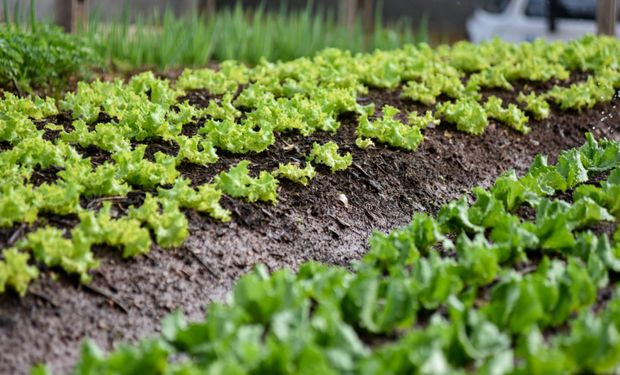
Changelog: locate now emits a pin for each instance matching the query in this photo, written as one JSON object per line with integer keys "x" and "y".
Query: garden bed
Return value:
{"x": 328, "y": 221}
{"x": 124, "y": 201}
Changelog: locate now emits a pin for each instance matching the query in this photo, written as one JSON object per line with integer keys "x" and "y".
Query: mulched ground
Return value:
{"x": 327, "y": 221}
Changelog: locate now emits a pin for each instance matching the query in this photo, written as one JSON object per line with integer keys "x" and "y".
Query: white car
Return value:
{"x": 526, "y": 20}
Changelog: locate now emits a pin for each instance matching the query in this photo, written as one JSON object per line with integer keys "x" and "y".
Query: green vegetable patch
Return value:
{"x": 513, "y": 281}
{"x": 99, "y": 143}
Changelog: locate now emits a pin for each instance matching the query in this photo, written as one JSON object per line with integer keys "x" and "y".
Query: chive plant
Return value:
{"x": 163, "y": 40}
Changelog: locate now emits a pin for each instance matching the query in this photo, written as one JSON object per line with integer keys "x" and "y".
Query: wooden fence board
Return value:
{"x": 72, "y": 14}
{"x": 606, "y": 14}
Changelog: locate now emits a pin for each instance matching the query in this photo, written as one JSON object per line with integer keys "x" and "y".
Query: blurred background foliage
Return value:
{"x": 35, "y": 55}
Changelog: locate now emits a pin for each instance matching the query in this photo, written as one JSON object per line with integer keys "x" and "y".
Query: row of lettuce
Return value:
{"x": 481, "y": 287}
{"x": 250, "y": 107}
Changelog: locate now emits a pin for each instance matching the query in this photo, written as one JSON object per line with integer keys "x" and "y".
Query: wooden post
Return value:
{"x": 206, "y": 7}
{"x": 606, "y": 17}
{"x": 81, "y": 14}
{"x": 63, "y": 14}
{"x": 349, "y": 10}
{"x": 348, "y": 13}
{"x": 368, "y": 16}
{"x": 72, "y": 14}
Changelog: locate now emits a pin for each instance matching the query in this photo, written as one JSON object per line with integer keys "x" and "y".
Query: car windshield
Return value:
{"x": 572, "y": 9}
{"x": 495, "y": 6}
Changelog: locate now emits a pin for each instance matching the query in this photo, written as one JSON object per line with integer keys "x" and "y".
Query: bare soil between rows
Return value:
{"x": 329, "y": 221}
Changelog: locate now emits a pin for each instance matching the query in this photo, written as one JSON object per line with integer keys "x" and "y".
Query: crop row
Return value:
{"x": 513, "y": 282}
{"x": 250, "y": 106}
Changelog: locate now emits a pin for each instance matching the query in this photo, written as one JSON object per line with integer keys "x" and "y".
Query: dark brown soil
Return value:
{"x": 329, "y": 221}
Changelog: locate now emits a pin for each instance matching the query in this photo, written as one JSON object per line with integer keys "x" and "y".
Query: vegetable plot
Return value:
{"x": 522, "y": 279}
{"x": 250, "y": 108}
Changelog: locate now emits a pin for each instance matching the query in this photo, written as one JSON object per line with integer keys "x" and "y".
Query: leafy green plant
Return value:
{"x": 390, "y": 131}
{"x": 238, "y": 184}
{"x": 467, "y": 114}
{"x": 15, "y": 271}
{"x": 535, "y": 104}
{"x": 204, "y": 199}
{"x": 327, "y": 154}
{"x": 511, "y": 115}
{"x": 584, "y": 94}
{"x": 295, "y": 173}
{"x": 434, "y": 83}
{"x": 164, "y": 218}
{"x": 43, "y": 57}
